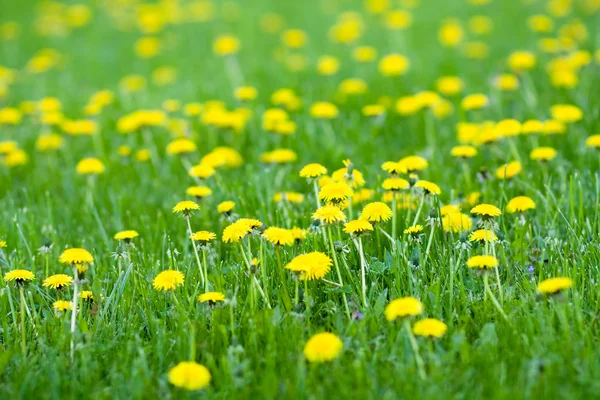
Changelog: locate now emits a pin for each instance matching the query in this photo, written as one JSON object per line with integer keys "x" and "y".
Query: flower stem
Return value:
{"x": 337, "y": 268}
{"x": 204, "y": 283}
{"x": 415, "y": 348}
{"x": 23, "y": 332}
{"x": 362, "y": 271}
{"x": 74, "y": 310}
{"x": 280, "y": 272}
{"x": 491, "y": 295}
{"x": 306, "y": 296}
{"x": 430, "y": 241}
{"x": 500, "y": 291}
{"x": 205, "y": 270}
{"x": 394, "y": 216}
{"x": 419, "y": 210}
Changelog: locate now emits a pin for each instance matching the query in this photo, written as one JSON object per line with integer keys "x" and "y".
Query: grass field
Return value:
{"x": 220, "y": 182}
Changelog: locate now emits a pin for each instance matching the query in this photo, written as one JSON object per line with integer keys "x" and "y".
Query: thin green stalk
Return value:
{"x": 415, "y": 348}
{"x": 204, "y": 283}
{"x": 306, "y": 296}
{"x": 359, "y": 245}
{"x": 497, "y": 272}
{"x": 419, "y": 210}
{"x": 337, "y": 268}
{"x": 74, "y": 310}
{"x": 394, "y": 216}
{"x": 286, "y": 293}
{"x": 493, "y": 298}
{"x": 23, "y": 331}
{"x": 205, "y": 263}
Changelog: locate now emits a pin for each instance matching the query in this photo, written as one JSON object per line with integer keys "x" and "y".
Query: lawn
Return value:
{"x": 299, "y": 199}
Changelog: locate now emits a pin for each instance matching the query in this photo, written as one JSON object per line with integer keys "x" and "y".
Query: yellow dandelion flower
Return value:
{"x": 475, "y": 101}
{"x": 463, "y": 151}
{"x": 87, "y": 295}
{"x": 486, "y": 210}
{"x": 521, "y": 61}
{"x": 62, "y": 305}
{"x": 126, "y": 235}
{"x": 181, "y": 146}
{"x": 373, "y": 110}
{"x": 482, "y": 262}
{"x": 457, "y": 222}
{"x": 168, "y": 280}
{"x": 532, "y": 126}
{"x": 403, "y": 307}
{"x": 245, "y": 93}
{"x": 449, "y": 85}
{"x": 279, "y": 236}
{"x": 75, "y": 256}
{"x": 553, "y": 127}
{"x": 414, "y": 230}
{"x": 310, "y": 266}
{"x": 593, "y": 141}
{"x": 324, "y": 180}
{"x": 413, "y": 164}
{"x": 291, "y": 197}
{"x": 566, "y": 113}
{"x": 543, "y": 154}
{"x": 520, "y": 204}
{"x": 49, "y": 142}
{"x": 203, "y": 236}
{"x": 225, "y": 207}
{"x": 364, "y": 54}
{"x": 90, "y": 166}
{"x": 329, "y": 214}
{"x": 323, "y": 110}
{"x": 395, "y": 184}
{"x": 362, "y": 195}
{"x": 393, "y": 168}
{"x": 313, "y": 170}
{"x": 483, "y": 235}
{"x": 473, "y": 198}
{"x": 198, "y": 191}
{"x": 554, "y": 285}
{"x": 298, "y": 233}
{"x": 323, "y": 347}
{"x": 376, "y": 212}
{"x": 211, "y": 297}
{"x": 430, "y": 327}
{"x": 357, "y": 226}
{"x": 279, "y": 156}
{"x": 451, "y": 33}
{"x": 225, "y": 45}
{"x": 449, "y": 209}
{"x": 355, "y": 178}
{"x": 294, "y": 38}
{"x": 201, "y": 171}
{"x": 335, "y": 192}
{"x": 190, "y": 376}
{"x": 506, "y": 82}
{"x": 186, "y": 207}
{"x": 20, "y": 276}
{"x": 239, "y": 229}
{"x": 428, "y": 187}
{"x": 8, "y": 146}
{"x": 394, "y": 65}
{"x": 328, "y": 65}
{"x": 58, "y": 281}
{"x": 508, "y": 171}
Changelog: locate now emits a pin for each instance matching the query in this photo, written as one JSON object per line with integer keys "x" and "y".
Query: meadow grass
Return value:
{"x": 526, "y": 345}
